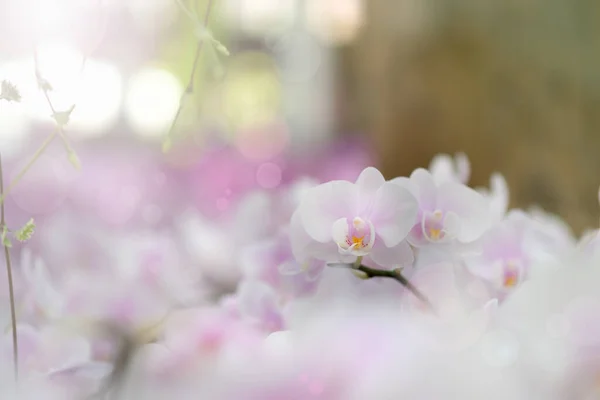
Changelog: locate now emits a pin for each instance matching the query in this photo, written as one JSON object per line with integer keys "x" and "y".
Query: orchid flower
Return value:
{"x": 41, "y": 297}
{"x": 273, "y": 263}
{"x": 448, "y": 211}
{"x": 339, "y": 221}
{"x": 260, "y": 304}
{"x": 510, "y": 248}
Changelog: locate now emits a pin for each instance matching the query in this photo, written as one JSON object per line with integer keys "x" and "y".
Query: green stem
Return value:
{"x": 396, "y": 274}
{"x": 13, "y": 314}
{"x": 189, "y": 89}
{"x": 26, "y": 168}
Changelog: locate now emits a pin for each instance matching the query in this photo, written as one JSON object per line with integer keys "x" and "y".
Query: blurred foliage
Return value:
{"x": 178, "y": 51}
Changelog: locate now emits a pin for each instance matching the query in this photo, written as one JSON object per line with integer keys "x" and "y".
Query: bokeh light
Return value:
{"x": 335, "y": 21}
{"x": 94, "y": 87}
{"x": 151, "y": 15}
{"x": 251, "y": 91}
{"x": 99, "y": 103}
{"x": 261, "y": 17}
{"x": 268, "y": 175}
{"x": 60, "y": 64}
{"x": 263, "y": 142}
{"x": 151, "y": 102}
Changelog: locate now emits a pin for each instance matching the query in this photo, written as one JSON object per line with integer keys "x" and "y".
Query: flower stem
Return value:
{"x": 10, "y": 282}
{"x": 189, "y": 89}
{"x": 26, "y": 168}
{"x": 396, "y": 274}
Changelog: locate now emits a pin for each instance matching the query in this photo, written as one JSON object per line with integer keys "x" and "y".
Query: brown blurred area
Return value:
{"x": 515, "y": 84}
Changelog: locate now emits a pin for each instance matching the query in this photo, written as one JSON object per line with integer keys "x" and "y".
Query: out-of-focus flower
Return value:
{"x": 498, "y": 196}
{"x": 556, "y": 318}
{"x": 259, "y": 303}
{"x": 273, "y": 262}
{"x": 447, "y": 212}
{"x": 444, "y": 168}
{"x": 216, "y": 246}
{"x": 40, "y": 298}
{"x": 241, "y": 304}
{"x": 511, "y": 247}
{"x": 58, "y": 356}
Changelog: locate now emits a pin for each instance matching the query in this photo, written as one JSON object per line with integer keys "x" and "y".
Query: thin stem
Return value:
{"x": 114, "y": 381}
{"x": 58, "y": 130}
{"x": 59, "y": 125}
{"x": 26, "y": 168}
{"x": 13, "y": 314}
{"x": 101, "y": 32}
{"x": 186, "y": 10}
{"x": 396, "y": 274}
{"x": 189, "y": 89}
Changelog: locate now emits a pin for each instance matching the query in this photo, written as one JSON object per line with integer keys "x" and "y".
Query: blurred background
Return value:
{"x": 310, "y": 87}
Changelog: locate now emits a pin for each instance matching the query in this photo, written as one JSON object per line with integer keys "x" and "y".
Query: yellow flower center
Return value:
{"x": 434, "y": 234}
{"x": 510, "y": 280}
{"x": 511, "y": 275}
{"x": 358, "y": 241}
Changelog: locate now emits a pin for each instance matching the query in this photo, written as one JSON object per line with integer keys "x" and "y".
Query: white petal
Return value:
{"x": 370, "y": 179}
{"x": 472, "y": 208}
{"x": 446, "y": 168}
{"x": 407, "y": 184}
{"x": 490, "y": 270}
{"x": 442, "y": 168}
{"x": 451, "y": 224}
{"x": 305, "y": 248}
{"x": 498, "y": 195}
{"x": 463, "y": 167}
{"x": 290, "y": 267}
{"x": 423, "y": 180}
{"x": 339, "y": 231}
{"x": 323, "y": 205}
{"x": 372, "y": 234}
{"x": 368, "y": 182}
{"x": 299, "y": 239}
{"x": 394, "y": 213}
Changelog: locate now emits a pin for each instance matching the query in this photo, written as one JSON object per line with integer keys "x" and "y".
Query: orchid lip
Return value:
{"x": 356, "y": 237}
{"x": 432, "y": 226}
{"x": 512, "y": 274}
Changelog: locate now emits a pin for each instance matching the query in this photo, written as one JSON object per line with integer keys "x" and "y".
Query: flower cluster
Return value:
{"x": 416, "y": 287}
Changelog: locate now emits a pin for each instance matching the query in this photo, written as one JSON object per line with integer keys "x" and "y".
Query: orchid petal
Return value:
{"x": 425, "y": 184}
{"x": 445, "y": 168}
{"x": 472, "y": 208}
{"x": 395, "y": 213}
{"x": 368, "y": 183}
{"x": 323, "y": 205}
{"x": 339, "y": 231}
